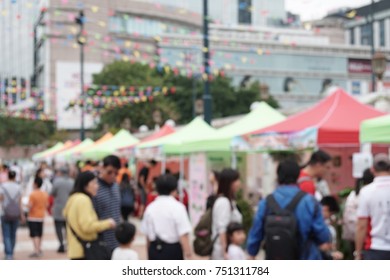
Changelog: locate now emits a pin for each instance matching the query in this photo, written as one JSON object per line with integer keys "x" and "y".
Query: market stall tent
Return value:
{"x": 164, "y": 131}
{"x": 264, "y": 115}
{"x": 196, "y": 130}
{"x": 67, "y": 154}
{"x": 375, "y": 130}
{"x": 67, "y": 145}
{"x": 77, "y": 152}
{"x": 336, "y": 120}
{"x": 42, "y": 154}
{"x": 98, "y": 151}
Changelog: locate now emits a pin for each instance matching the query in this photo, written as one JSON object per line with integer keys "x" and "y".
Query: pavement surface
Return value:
{"x": 24, "y": 246}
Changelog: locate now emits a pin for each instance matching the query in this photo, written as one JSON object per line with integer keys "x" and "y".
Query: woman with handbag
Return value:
{"x": 83, "y": 225}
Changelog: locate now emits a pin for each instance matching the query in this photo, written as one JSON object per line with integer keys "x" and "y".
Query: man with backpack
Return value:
{"x": 289, "y": 221}
{"x": 11, "y": 198}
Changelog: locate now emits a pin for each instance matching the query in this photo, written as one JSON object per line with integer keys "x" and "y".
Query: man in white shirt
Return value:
{"x": 373, "y": 230}
{"x": 166, "y": 223}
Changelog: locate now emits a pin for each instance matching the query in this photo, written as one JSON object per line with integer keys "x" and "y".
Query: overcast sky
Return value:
{"x": 313, "y": 9}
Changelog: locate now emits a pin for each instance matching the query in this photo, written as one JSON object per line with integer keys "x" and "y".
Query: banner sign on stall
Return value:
{"x": 198, "y": 186}
{"x": 361, "y": 161}
{"x": 300, "y": 140}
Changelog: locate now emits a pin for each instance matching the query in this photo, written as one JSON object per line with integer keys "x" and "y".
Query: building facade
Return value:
{"x": 359, "y": 30}
{"x": 368, "y": 26}
{"x": 16, "y": 49}
{"x": 248, "y": 41}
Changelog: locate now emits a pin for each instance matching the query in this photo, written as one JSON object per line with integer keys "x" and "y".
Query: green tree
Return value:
{"x": 127, "y": 74}
{"x": 15, "y": 131}
{"x": 227, "y": 100}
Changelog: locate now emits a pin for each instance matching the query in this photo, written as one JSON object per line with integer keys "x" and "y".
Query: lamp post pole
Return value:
{"x": 373, "y": 84}
{"x": 207, "y": 98}
{"x": 81, "y": 41}
{"x": 193, "y": 96}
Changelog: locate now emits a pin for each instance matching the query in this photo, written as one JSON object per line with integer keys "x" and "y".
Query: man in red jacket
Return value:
{"x": 316, "y": 168}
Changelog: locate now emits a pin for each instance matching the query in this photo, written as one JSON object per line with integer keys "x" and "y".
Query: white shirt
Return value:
{"x": 124, "y": 254}
{"x": 223, "y": 215}
{"x": 166, "y": 218}
{"x": 350, "y": 216}
{"x": 18, "y": 172}
{"x": 236, "y": 253}
{"x": 374, "y": 204}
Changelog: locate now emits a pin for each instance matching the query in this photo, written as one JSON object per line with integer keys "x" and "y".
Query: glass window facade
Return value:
{"x": 366, "y": 35}
{"x": 147, "y": 27}
{"x": 277, "y": 63}
{"x": 352, "y": 36}
{"x": 382, "y": 35}
{"x": 245, "y": 12}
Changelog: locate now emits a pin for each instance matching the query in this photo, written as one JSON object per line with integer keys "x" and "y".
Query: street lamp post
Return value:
{"x": 206, "y": 57}
{"x": 194, "y": 80}
{"x": 372, "y": 43}
{"x": 81, "y": 40}
{"x": 379, "y": 64}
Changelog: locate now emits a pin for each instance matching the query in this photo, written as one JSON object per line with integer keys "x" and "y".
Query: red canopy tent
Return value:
{"x": 337, "y": 119}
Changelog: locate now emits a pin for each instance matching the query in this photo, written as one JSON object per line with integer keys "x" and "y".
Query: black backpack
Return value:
{"x": 127, "y": 195}
{"x": 12, "y": 209}
{"x": 281, "y": 230}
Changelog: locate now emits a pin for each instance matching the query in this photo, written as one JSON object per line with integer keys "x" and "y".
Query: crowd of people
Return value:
{"x": 91, "y": 207}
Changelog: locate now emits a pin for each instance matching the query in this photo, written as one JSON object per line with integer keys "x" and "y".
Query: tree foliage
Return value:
{"x": 24, "y": 132}
{"x": 227, "y": 100}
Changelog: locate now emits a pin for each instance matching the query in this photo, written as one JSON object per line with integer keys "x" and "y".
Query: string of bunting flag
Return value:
{"x": 104, "y": 97}
{"x": 27, "y": 115}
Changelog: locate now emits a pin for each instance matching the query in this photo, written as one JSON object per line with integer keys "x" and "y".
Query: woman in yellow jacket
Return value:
{"x": 81, "y": 216}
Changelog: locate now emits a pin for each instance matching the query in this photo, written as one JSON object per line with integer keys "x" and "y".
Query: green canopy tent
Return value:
{"x": 263, "y": 116}
{"x": 122, "y": 139}
{"x": 67, "y": 154}
{"x": 42, "y": 154}
{"x": 375, "y": 130}
{"x": 196, "y": 130}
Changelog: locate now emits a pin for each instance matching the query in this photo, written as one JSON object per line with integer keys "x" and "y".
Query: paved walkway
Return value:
{"x": 24, "y": 246}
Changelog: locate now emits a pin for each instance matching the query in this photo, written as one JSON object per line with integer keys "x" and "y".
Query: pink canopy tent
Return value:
{"x": 164, "y": 131}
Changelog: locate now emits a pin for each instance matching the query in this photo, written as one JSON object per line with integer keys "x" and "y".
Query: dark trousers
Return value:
{"x": 60, "y": 229}
{"x": 376, "y": 255}
{"x": 159, "y": 250}
{"x": 126, "y": 211}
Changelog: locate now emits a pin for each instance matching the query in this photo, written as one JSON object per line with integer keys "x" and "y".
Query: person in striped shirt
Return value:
{"x": 107, "y": 202}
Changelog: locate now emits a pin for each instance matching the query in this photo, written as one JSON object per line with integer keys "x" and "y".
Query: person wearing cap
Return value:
{"x": 62, "y": 187}
{"x": 372, "y": 241}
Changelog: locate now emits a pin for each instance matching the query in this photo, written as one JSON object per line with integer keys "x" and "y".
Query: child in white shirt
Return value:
{"x": 236, "y": 238}
{"x": 125, "y": 233}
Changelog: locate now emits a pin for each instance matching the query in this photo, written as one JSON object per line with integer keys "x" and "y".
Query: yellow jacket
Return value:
{"x": 80, "y": 214}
